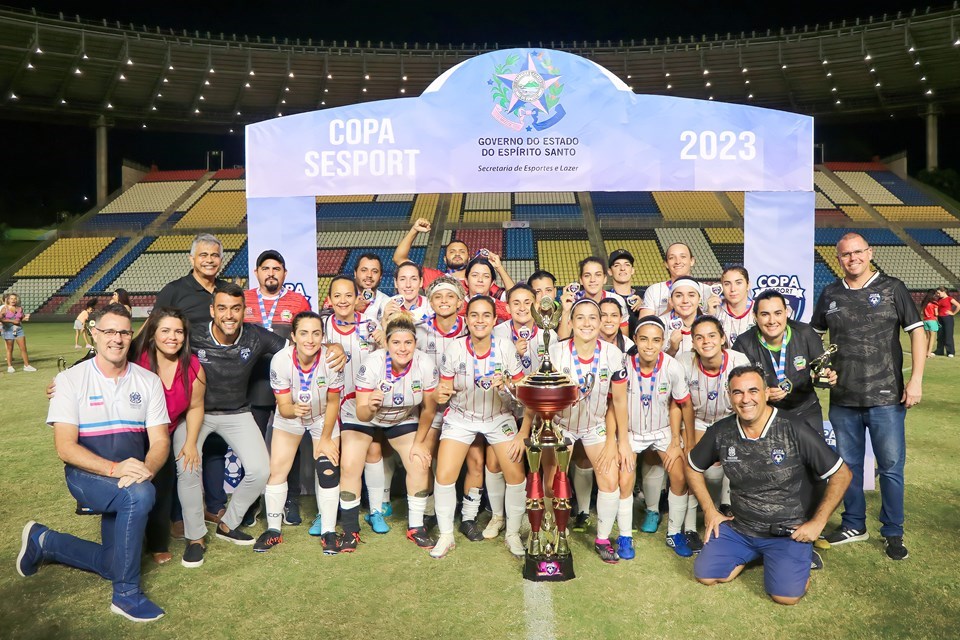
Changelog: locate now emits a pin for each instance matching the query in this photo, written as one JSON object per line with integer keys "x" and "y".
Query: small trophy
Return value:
{"x": 818, "y": 364}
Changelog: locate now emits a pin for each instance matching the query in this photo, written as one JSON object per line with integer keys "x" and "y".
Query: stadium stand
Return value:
{"x": 612, "y": 204}
{"x": 148, "y": 197}
{"x": 215, "y": 210}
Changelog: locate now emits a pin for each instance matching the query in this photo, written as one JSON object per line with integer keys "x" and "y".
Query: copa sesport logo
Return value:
{"x": 788, "y": 285}
{"x": 529, "y": 91}
{"x": 296, "y": 287}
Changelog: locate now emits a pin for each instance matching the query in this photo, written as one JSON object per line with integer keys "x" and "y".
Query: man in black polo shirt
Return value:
{"x": 783, "y": 349}
{"x": 864, "y": 312}
{"x": 769, "y": 457}
{"x": 228, "y": 350}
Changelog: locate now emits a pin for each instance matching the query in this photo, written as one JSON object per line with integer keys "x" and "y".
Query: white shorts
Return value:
{"x": 657, "y": 440}
{"x": 589, "y": 437}
{"x": 700, "y": 425}
{"x": 500, "y": 429}
{"x": 298, "y": 429}
{"x": 77, "y": 325}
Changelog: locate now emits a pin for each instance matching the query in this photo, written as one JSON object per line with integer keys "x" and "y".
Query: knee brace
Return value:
{"x": 328, "y": 474}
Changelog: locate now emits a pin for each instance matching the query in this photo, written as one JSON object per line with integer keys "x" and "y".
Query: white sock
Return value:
{"x": 415, "y": 507}
{"x": 725, "y": 490}
{"x": 446, "y": 496}
{"x": 676, "y": 512}
{"x": 495, "y": 486}
{"x": 471, "y": 504}
{"x": 430, "y": 509}
{"x": 316, "y": 491}
{"x": 275, "y": 496}
{"x": 608, "y": 503}
{"x": 583, "y": 488}
{"x": 329, "y": 500}
{"x": 714, "y": 479}
{"x": 515, "y": 505}
{"x": 373, "y": 476}
{"x": 625, "y": 517}
{"x": 652, "y": 481}
{"x": 389, "y": 466}
{"x": 690, "y": 519}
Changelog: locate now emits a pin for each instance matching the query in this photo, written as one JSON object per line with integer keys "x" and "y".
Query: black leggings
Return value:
{"x": 158, "y": 522}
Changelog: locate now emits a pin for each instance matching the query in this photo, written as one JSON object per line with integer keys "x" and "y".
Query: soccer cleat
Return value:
{"x": 726, "y": 510}
{"x": 625, "y": 548}
{"x": 606, "y": 551}
{"x": 471, "y": 530}
{"x": 430, "y": 521}
{"x": 843, "y": 535}
{"x": 515, "y": 544}
{"x": 421, "y": 537}
{"x": 250, "y": 517}
{"x": 349, "y": 542}
{"x": 376, "y": 522}
{"x": 193, "y": 555}
{"x": 330, "y": 543}
{"x": 29, "y": 369}
{"x": 651, "y": 521}
{"x": 291, "y": 513}
{"x": 678, "y": 542}
{"x": 136, "y": 607}
{"x": 894, "y": 548}
{"x": 694, "y": 541}
{"x": 580, "y": 522}
{"x": 234, "y": 536}
{"x": 493, "y": 527}
{"x": 445, "y": 544}
{"x": 31, "y": 553}
{"x": 816, "y": 562}
{"x": 267, "y": 540}
{"x": 386, "y": 509}
{"x": 316, "y": 529}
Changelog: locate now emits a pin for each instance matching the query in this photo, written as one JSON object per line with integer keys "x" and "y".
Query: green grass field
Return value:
{"x": 389, "y": 588}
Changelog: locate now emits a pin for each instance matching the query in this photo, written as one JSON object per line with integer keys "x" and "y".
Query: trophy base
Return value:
{"x": 548, "y": 568}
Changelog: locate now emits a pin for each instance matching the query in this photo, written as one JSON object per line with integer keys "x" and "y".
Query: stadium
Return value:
{"x": 115, "y": 76}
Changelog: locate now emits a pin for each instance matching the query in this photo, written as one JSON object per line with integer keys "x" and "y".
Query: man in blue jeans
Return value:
{"x": 110, "y": 428}
{"x": 864, "y": 312}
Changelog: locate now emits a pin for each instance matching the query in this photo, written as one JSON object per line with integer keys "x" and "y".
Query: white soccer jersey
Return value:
{"x": 112, "y": 416}
{"x": 534, "y": 355}
{"x": 354, "y": 340}
{"x": 648, "y": 404}
{"x": 733, "y": 325}
{"x": 624, "y": 311}
{"x": 709, "y": 391}
{"x": 374, "y": 309}
{"x": 607, "y": 369}
{"x": 286, "y": 377}
{"x": 657, "y": 296}
{"x": 474, "y": 397}
{"x": 673, "y": 322}
{"x": 403, "y": 395}
{"x": 433, "y": 342}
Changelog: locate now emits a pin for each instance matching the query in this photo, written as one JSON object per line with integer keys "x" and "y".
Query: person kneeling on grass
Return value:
{"x": 109, "y": 423}
{"x": 769, "y": 457}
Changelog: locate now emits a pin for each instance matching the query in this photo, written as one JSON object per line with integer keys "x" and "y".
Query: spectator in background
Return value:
{"x": 947, "y": 307}
{"x": 929, "y": 309}
{"x": 12, "y": 318}
{"x": 80, "y": 324}
{"x": 120, "y": 296}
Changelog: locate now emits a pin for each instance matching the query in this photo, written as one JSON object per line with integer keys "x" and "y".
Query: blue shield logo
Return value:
{"x": 789, "y": 287}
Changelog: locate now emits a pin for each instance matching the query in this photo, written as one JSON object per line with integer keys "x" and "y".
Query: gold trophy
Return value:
{"x": 547, "y": 393}
{"x": 818, "y": 364}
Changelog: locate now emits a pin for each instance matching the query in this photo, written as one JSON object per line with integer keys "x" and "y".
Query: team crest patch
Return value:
{"x": 693, "y": 384}
{"x": 526, "y": 361}
{"x": 662, "y": 387}
{"x": 248, "y": 312}
{"x": 286, "y": 316}
{"x": 462, "y": 368}
{"x": 416, "y": 386}
{"x": 712, "y": 395}
{"x": 507, "y": 429}
{"x": 202, "y": 355}
{"x": 135, "y": 398}
{"x": 274, "y": 377}
{"x": 431, "y": 347}
{"x": 732, "y": 454}
{"x": 245, "y": 353}
{"x": 604, "y": 374}
{"x": 799, "y": 363}
{"x": 526, "y": 91}
{"x": 398, "y": 399}
{"x": 873, "y": 299}
{"x": 349, "y": 356}
{"x": 602, "y": 430}
{"x": 362, "y": 371}
{"x": 321, "y": 381}
{"x": 778, "y": 456}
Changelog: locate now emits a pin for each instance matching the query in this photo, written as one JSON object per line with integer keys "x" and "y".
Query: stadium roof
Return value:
{"x": 66, "y": 69}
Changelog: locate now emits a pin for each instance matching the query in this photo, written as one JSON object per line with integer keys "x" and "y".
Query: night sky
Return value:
{"x": 54, "y": 167}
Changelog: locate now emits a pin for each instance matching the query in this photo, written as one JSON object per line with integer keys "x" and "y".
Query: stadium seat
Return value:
{"x": 915, "y": 214}
{"x": 151, "y": 271}
{"x": 906, "y": 264}
{"x": 625, "y": 204}
{"x": 831, "y": 189}
{"x": 34, "y": 292}
{"x": 65, "y": 257}
{"x": 540, "y": 197}
{"x": 706, "y": 267}
{"x": 690, "y": 206}
{"x": 148, "y": 197}
{"x": 191, "y": 175}
{"x": 125, "y": 261}
{"x": 425, "y": 206}
{"x": 647, "y": 258}
{"x": 949, "y": 257}
{"x": 215, "y": 210}
{"x": 229, "y": 185}
{"x": 867, "y": 188}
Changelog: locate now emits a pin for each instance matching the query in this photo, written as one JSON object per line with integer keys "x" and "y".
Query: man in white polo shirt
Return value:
{"x": 109, "y": 422}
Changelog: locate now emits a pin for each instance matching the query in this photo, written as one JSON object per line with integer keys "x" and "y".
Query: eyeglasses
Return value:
{"x": 125, "y": 334}
{"x": 854, "y": 254}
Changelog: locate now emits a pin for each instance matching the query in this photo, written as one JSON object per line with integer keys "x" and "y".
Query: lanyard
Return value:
{"x": 525, "y": 332}
{"x": 370, "y": 325}
{"x": 305, "y": 380}
{"x": 491, "y": 365}
{"x": 713, "y": 395}
{"x": 268, "y": 320}
{"x": 581, "y": 379}
{"x": 646, "y": 399}
{"x": 454, "y": 331}
{"x": 780, "y": 363}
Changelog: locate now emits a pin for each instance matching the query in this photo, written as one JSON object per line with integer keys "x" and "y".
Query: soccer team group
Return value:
{"x": 704, "y": 392}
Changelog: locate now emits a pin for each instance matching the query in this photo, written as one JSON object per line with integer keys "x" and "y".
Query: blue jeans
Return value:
{"x": 125, "y": 512}
{"x": 886, "y": 425}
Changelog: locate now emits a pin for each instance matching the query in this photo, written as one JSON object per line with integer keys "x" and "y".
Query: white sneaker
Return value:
{"x": 445, "y": 544}
{"x": 493, "y": 527}
{"x": 515, "y": 544}
{"x": 949, "y": 355}
{"x": 29, "y": 369}
{"x": 11, "y": 370}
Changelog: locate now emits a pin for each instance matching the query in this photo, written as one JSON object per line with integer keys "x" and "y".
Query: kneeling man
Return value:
{"x": 770, "y": 457}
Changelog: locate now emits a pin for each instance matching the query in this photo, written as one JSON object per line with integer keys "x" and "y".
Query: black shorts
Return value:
{"x": 390, "y": 433}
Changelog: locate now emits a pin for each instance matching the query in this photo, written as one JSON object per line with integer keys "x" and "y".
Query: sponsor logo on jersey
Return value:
{"x": 135, "y": 398}
{"x": 507, "y": 429}
{"x": 778, "y": 456}
{"x": 321, "y": 381}
{"x": 873, "y": 299}
{"x": 286, "y": 315}
{"x": 362, "y": 371}
{"x": 732, "y": 455}
{"x": 799, "y": 363}
{"x": 274, "y": 376}
{"x": 662, "y": 387}
{"x": 431, "y": 347}
{"x": 202, "y": 355}
{"x": 245, "y": 353}
{"x": 248, "y": 312}
{"x": 462, "y": 367}
{"x": 604, "y": 374}
{"x": 789, "y": 287}
{"x": 416, "y": 386}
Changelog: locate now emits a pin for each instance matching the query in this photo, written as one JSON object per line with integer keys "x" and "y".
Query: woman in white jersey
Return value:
{"x": 707, "y": 368}
{"x": 354, "y": 332}
{"x": 597, "y": 368}
{"x": 473, "y": 372}
{"x": 308, "y": 399}
{"x": 658, "y": 406}
{"x": 395, "y": 394}
{"x": 736, "y": 312}
{"x": 685, "y": 307}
